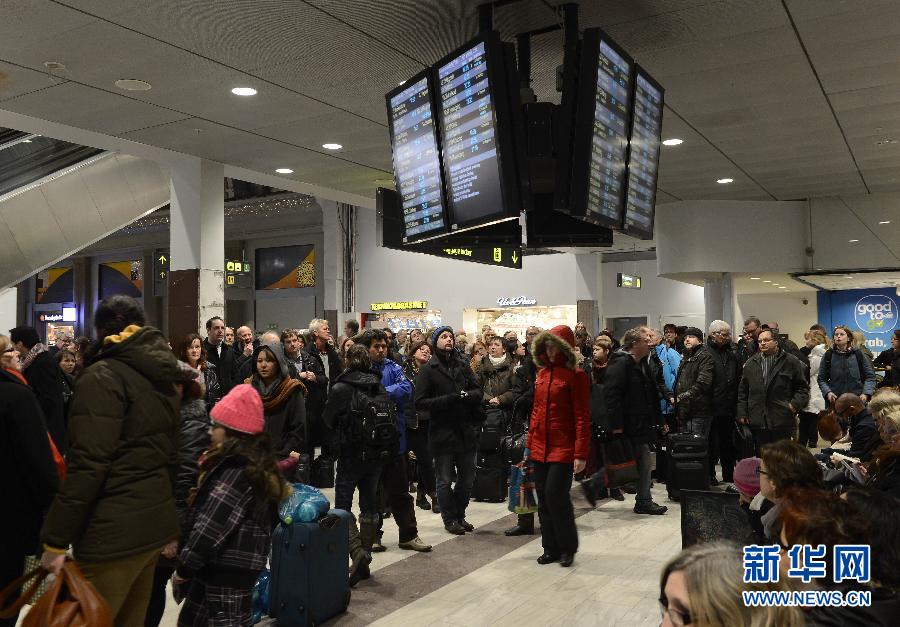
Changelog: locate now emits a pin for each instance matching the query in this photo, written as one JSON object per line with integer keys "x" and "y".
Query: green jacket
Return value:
{"x": 117, "y": 499}
{"x": 765, "y": 403}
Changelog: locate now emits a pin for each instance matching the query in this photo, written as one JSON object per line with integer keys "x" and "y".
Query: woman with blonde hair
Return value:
{"x": 702, "y": 587}
{"x": 817, "y": 343}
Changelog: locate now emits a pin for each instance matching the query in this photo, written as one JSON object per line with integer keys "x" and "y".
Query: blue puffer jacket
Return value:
{"x": 399, "y": 389}
{"x": 670, "y": 360}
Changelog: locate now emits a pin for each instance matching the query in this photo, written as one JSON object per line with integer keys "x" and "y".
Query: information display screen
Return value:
{"x": 643, "y": 160}
{"x": 609, "y": 144}
{"x": 469, "y": 138}
{"x": 417, "y": 166}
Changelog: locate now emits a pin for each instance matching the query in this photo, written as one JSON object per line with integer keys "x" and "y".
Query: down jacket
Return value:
{"x": 560, "y": 429}
{"x": 117, "y": 499}
{"x": 496, "y": 381}
{"x": 694, "y": 384}
{"x": 816, "y": 400}
{"x": 632, "y": 397}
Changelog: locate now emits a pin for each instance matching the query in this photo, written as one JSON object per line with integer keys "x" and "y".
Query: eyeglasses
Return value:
{"x": 677, "y": 617}
{"x": 760, "y": 471}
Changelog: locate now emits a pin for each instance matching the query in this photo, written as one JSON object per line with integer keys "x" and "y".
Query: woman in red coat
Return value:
{"x": 558, "y": 439}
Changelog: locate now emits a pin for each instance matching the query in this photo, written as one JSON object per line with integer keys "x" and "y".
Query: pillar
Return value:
{"x": 718, "y": 299}
{"x": 83, "y": 296}
{"x": 197, "y": 246}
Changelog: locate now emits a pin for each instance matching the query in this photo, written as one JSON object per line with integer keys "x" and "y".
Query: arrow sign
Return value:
{"x": 515, "y": 257}
{"x": 162, "y": 275}
{"x": 162, "y": 259}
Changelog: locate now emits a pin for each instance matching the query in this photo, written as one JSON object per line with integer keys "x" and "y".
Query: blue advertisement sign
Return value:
{"x": 874, "y": 312}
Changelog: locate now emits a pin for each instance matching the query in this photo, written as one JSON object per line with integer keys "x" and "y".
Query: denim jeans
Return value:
{"x": 644, "y": 463}
{"x": 458, "y": 467}
{"x": 353, "y": 474}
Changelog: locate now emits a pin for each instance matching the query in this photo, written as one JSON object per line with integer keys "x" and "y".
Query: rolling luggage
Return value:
{"x": 309, "y": 582}
{"x": 688, "y": 463}
{"x": 492, "y": 430}
{"x": 490, "y": 478}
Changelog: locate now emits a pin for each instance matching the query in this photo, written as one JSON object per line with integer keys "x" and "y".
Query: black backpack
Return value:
{"x": 375, "y": 432}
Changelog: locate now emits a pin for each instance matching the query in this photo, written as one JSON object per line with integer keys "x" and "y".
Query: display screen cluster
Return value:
{"x": 417, "y": 166}
{"x": 643, "y": 164}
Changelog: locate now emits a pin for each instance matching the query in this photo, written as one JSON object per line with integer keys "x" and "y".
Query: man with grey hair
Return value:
{"x": 325, "y": 364}
{"x": 725, "y": 389}
{"x": 632, "y": 403}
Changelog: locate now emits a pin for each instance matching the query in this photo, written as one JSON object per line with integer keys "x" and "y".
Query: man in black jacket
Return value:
{"x": 864, "y": 435}
{"x": 694, "y": 385}
{"x": 446, "y": 388}
{"x": 323, "y": 365}
{"x": 220, "y": 354}
{"x": 42, "y": 372}
{"x": 725, "y": 388}
{"x": 632, "y": 402}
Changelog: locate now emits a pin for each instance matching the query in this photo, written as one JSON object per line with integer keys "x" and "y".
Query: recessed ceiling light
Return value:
{"x": 402, "y": 83}
{"x": 331, "y": 146}
{"x": 886, "y": 140}
{"x": 767, "y": 281}
{"x": 776, "y": 284}
{"x": 133, "y": 84}
{"x": 243, "y": 91}
{"x": 26, "y": 141}
{"x": 885, "y": 222}
{"x": 853, "y": 241}
{"x": 724, "y": 181}
{"x": 754, "y": 278}
{"x": 284, "y": 171}
{"x": 673, "y": 142}
{"x": 781, "y": 287}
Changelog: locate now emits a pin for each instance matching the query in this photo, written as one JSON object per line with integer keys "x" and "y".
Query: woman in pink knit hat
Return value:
{"x": 231, "y": 515}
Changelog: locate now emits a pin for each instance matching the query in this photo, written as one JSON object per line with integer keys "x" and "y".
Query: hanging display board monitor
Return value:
{"x": 643, "y": 156}
{"x": 600, "y": 147}
{"x": 416, "y": 158}
{"x": 478, "y": 114}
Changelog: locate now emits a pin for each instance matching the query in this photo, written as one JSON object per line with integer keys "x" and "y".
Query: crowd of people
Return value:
{"x": 391, "y": 415}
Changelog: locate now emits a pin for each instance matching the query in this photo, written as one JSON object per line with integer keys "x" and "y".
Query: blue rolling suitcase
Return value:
{"x": 310, "y": 580}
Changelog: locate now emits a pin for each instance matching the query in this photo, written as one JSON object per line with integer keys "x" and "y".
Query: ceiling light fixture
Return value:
{"x": 767, "y": 281}
{"x": 284, "y": 171}
{"x": 781, "y": 287}
{"x": 673, "y": 142}
{"x": 853, "y": 241}
{"x": 885, "y": 222}
{"x": 724, "y": 181}
{"x": 133, "y": 84}
{"x": 243, "y": 91}
{"x": 887, "y": 140}
{"x": 332, "y": 146}
{"x": 754, "y": 278}
{"x": 402, "y": 83}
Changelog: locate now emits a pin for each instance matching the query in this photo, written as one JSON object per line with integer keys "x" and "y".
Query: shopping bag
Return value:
{"x": 620, "y": 462}
{"x": 522, "y": 493}
{"x": 70, "y": 602}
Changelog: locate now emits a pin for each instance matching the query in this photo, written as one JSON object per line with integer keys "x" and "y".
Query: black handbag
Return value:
{"x": 742, "y": 438}
{"x": 620, "y": 462}
{"x": 513, "y": 448}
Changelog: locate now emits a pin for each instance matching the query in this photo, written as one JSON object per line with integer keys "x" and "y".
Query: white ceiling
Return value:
{"x": 768, "y": 283}
{"x": 788, "y": 98}
{"x": 853, "y": 280}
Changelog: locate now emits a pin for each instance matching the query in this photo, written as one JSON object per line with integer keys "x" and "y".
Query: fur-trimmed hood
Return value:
{"x": 564, "y": 338}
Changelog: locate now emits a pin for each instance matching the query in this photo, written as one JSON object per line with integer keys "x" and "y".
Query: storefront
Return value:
{"x": 54, "y": 309}
{"x": 403, "y": 315}
{"x": 517, "y": 314}
{"x": 53, "y": 321}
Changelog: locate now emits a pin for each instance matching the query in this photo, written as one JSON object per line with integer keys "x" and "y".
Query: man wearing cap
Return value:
{"x": 446, "y": 388}
{"x": 694, "y": 385}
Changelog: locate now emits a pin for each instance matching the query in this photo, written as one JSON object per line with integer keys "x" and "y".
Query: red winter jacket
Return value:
{"x": 560, "y": 428}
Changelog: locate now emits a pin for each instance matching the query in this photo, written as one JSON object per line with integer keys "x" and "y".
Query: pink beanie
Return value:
{"x": 241, "y": 410}
{"x": 746, "y": 478}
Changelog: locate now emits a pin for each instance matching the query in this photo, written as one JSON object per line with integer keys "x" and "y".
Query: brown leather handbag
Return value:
{"x": 70, "y": 602}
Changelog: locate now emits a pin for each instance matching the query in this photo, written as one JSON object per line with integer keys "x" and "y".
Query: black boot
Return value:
{"x": 421, "y": 501}
{"x": 435, "y": 506}
{"x": 524, "y": 526}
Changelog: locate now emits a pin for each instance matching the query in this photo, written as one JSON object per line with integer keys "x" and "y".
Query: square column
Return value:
{"x": 197, "y": 246}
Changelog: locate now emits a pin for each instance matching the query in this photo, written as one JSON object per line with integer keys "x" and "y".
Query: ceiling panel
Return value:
{"x": 15, "y": 81}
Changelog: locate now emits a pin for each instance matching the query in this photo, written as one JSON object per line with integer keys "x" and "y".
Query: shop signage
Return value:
{"x": 505, "y": 256}
{"x": 631, "y": 281}
{"x": 876, "y": 314}
{"x": 517, "y": 301}
{"x": 873, "y": 311}
{"x": 237, "y": 273}
{"x": 54, "y": 317}
{"x": 400, "y": 306}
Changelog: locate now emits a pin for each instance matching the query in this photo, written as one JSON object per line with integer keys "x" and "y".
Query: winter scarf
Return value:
{"x": 36, "y": 350}
{"x": 278, "y": 396}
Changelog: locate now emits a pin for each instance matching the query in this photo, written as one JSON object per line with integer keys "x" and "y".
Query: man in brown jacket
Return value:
{"x": 116, "y": 507}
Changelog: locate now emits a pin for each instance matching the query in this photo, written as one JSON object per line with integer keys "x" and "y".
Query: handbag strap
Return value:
{"x": 8, "y": 612}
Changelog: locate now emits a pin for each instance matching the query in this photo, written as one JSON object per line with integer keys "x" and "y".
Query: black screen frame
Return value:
{"x": 506, "y": 115}
{"x": 630, "y": 230}
{"x": 584, "y": 129}
{"x": 428, "y": 75}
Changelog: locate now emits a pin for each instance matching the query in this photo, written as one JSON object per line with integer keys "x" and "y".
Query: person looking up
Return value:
{"x": 116, "y": 508}
{"x": 845, "y": 369}
{"x": 726, "y": 379}
{"x": 417, "y": 430}
{"x": 293, "y": 348}
{"x": 632, "y": 402}
{"x": 670, "y": 336}
{"x": 447, "y": 389}
{"x": 417, "y": 335}
{"x": 46, "y": 379}
{"x": 190, "y": 350}
{"x": 773, "y": 389}
{"x": 594, "y": 488}
{"x": 322, "y": 364}
{"x": 694, "y": 385}
{"x": 231, "y": 517}
{"x": 495, "y": 374}
{"x": 229, "y": 336}
{"x": 702, "y": 586}
{"x": 220, "y": 355}
{"x": 393, "y": 470}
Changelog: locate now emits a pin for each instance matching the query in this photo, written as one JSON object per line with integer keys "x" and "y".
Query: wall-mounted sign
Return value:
{"x": 160, "y": 273}
{"x": 54, "y": 317}
{"x": 237, "y": 273}
{"x": 872, "y": 311}
{"x": 400, "y": 306}
{"x": 285, "y": 267}
{"x": 508, "y": 257}
{"x": 517, "y": 301}
{"x": 631, "y": 281}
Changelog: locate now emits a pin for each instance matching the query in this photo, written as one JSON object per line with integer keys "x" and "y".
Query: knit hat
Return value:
{"x": 697, "y": 333}
{"x": 745, "y": 476}
{"x": 437, "y": 333}
{"x": 240, "y": 410}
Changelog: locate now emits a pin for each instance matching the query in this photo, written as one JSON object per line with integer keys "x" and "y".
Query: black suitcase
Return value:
{"x": 688, "y": 463}
{"x": 492, "y": 430}
{"x": 491, "y": 474}
{"x": 323, "y": 472}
